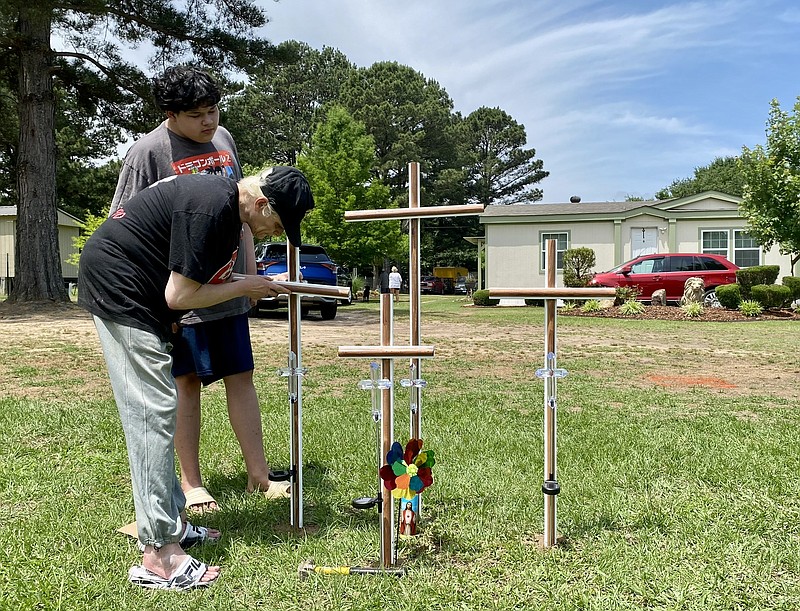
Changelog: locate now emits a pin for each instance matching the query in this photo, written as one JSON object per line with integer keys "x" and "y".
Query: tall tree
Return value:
{"x": 499, "y": 169}
{"x": 723, "y": 175}
{"x": 494, "y": 167}
{"x": 275, "y": 115}
{"x": 94, "y": 33}
{"x": 339, "y": 166}
{"x": 407, "y": 115}
{"x": 771, "y": 173}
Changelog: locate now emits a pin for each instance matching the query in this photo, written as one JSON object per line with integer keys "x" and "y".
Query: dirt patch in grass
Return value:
{"x": 48, "y": 349}
{"x": 689, "y": 381}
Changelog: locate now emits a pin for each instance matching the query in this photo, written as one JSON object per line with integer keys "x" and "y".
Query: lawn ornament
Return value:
{"x": 693, "y": 290}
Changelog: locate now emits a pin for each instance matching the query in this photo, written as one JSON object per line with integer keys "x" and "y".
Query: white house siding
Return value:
{"x": 513, "y": 233}
{"x": 7, "y": 231}
{"x": 68, "y": 227}
{"x": 513, "y": 261}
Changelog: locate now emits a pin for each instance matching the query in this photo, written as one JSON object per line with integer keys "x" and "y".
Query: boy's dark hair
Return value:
{"x": 184, "y": 88}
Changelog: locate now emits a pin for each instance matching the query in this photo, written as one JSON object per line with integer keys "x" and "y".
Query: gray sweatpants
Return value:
{"x": 139, "y": 368}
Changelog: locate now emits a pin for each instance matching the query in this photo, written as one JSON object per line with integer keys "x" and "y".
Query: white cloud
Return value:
{"x": 615, "y": 95}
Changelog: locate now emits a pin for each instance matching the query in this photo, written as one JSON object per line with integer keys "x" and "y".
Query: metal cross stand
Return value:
{"x": 550, "y": 374}
{"x": 295, "y": 372}
{"x": 384, "y": 383}
{"x": 414, "y": 213}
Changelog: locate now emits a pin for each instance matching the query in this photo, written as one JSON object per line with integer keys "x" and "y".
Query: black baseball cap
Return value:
{"x": 289, "y": 194}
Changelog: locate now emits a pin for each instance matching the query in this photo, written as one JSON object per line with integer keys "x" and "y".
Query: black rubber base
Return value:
{"x": 279, "y": 476}
{"x": 365, "y": 502}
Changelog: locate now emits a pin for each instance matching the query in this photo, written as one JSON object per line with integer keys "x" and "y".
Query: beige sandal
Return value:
{"x": 198, "y": 500}
{"x": 276, "y": 490}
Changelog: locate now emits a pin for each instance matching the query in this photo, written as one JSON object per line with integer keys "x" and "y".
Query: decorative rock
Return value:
{"x": 693, "y": 290}
{"x": 659, "y": 297}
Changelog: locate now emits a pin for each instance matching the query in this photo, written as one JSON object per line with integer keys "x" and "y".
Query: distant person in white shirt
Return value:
{"x": 395, "y": 280}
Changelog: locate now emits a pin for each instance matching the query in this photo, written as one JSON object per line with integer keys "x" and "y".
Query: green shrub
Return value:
{"x": 758, "y": 274}
{"x": 793, "y": 282}
{"x": 569, "y": 306}
{"x": 578, "y": 264}
{"x": 771, "y": 295}
{"x": 627, "y": 293}
{"x": 592, "y": 305}
{"x": 729, "y": 296}
{"x": 748, "y": 307}
{"x": 481, "y": 298}
{"x": 631, "y": 308}
{"x": 692, "y": 310}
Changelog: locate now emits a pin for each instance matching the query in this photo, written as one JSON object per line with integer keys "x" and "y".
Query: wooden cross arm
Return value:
{"x": 406, "y": 213}
{"x": 307, "y": 288}
{"x": 322, "y": 290}
{"x": 386, "y": 352}
{"x": 554, "y": 292}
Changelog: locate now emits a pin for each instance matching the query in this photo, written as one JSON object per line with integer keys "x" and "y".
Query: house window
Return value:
{"x": 561, "y": 246}
{"x": 715, "y": 243}
{"x": 746, "y": 250}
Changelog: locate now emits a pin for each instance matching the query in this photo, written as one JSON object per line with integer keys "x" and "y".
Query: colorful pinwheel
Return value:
{"x": 407, "y": 473}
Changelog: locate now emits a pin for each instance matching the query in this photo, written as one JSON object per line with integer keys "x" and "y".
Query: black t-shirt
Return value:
{"x": 186, "y": 224}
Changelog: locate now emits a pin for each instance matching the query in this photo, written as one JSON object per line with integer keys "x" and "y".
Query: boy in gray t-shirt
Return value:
{"x": 212, "y": 343}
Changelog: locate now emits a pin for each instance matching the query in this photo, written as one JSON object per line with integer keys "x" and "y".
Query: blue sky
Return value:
{"x": 617, "y": 97}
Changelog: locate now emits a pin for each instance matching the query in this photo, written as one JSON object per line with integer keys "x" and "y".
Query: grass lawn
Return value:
{"x": 678, "y": 458}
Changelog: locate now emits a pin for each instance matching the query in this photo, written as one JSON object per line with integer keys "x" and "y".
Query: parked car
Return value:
{"x": 315, "y": 266}
{"x": 460, "y": 287}
{"x": 670, "y": 271}
{"x": 431, "y": 285}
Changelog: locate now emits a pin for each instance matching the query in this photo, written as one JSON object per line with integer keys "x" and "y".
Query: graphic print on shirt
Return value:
{"x": 213, "y": 162}
{"x": 226, "y": 270}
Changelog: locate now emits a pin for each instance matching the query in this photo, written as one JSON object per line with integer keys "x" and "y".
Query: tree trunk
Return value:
{"x": 38, "y": 273}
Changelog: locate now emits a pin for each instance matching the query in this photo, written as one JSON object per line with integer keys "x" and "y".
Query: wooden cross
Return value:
{"x": 414, "y": 213}
{"x": 550, "y": 373}
{"x": 386, "y": 352}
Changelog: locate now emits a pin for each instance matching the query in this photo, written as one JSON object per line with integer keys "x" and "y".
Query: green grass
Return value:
{"x": 672, "y": 497}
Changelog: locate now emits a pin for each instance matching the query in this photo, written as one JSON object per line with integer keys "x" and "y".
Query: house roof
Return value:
{"x": 64, "y": 218}
{"x": 706, "y": 204}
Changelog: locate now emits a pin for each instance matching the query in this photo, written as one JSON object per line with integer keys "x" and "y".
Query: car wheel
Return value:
{"x": 328, "y": 311}
{"x": 349, "y": 300}
{"x": 710, "y": 299}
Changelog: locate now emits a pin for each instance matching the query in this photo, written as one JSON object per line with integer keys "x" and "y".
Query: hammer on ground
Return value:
{"x": 308, "y": 567}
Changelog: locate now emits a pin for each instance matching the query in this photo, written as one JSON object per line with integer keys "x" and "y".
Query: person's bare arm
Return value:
{"x": 182, "y": 293}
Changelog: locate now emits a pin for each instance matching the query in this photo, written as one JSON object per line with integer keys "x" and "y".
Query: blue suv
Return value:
{"x": 315, "y": 266}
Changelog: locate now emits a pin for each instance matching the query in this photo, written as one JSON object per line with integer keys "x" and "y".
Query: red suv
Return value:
{"x": 669, "y": 271}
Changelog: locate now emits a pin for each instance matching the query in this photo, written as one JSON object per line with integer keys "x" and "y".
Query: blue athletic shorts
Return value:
{"x": 213, "y": 350}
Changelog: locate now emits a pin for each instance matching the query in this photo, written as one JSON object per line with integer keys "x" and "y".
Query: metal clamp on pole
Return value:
{"x": 416, "y": 384}
{"x": 550, "y": 487}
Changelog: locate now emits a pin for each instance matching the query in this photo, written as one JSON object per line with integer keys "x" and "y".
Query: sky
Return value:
{"x": 618, "y": 98}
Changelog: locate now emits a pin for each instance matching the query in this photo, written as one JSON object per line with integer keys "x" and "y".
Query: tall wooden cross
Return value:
{"x": 414, "y": 351}
{"x": 414, "y": 213}
{"x": 550, "y": 373}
